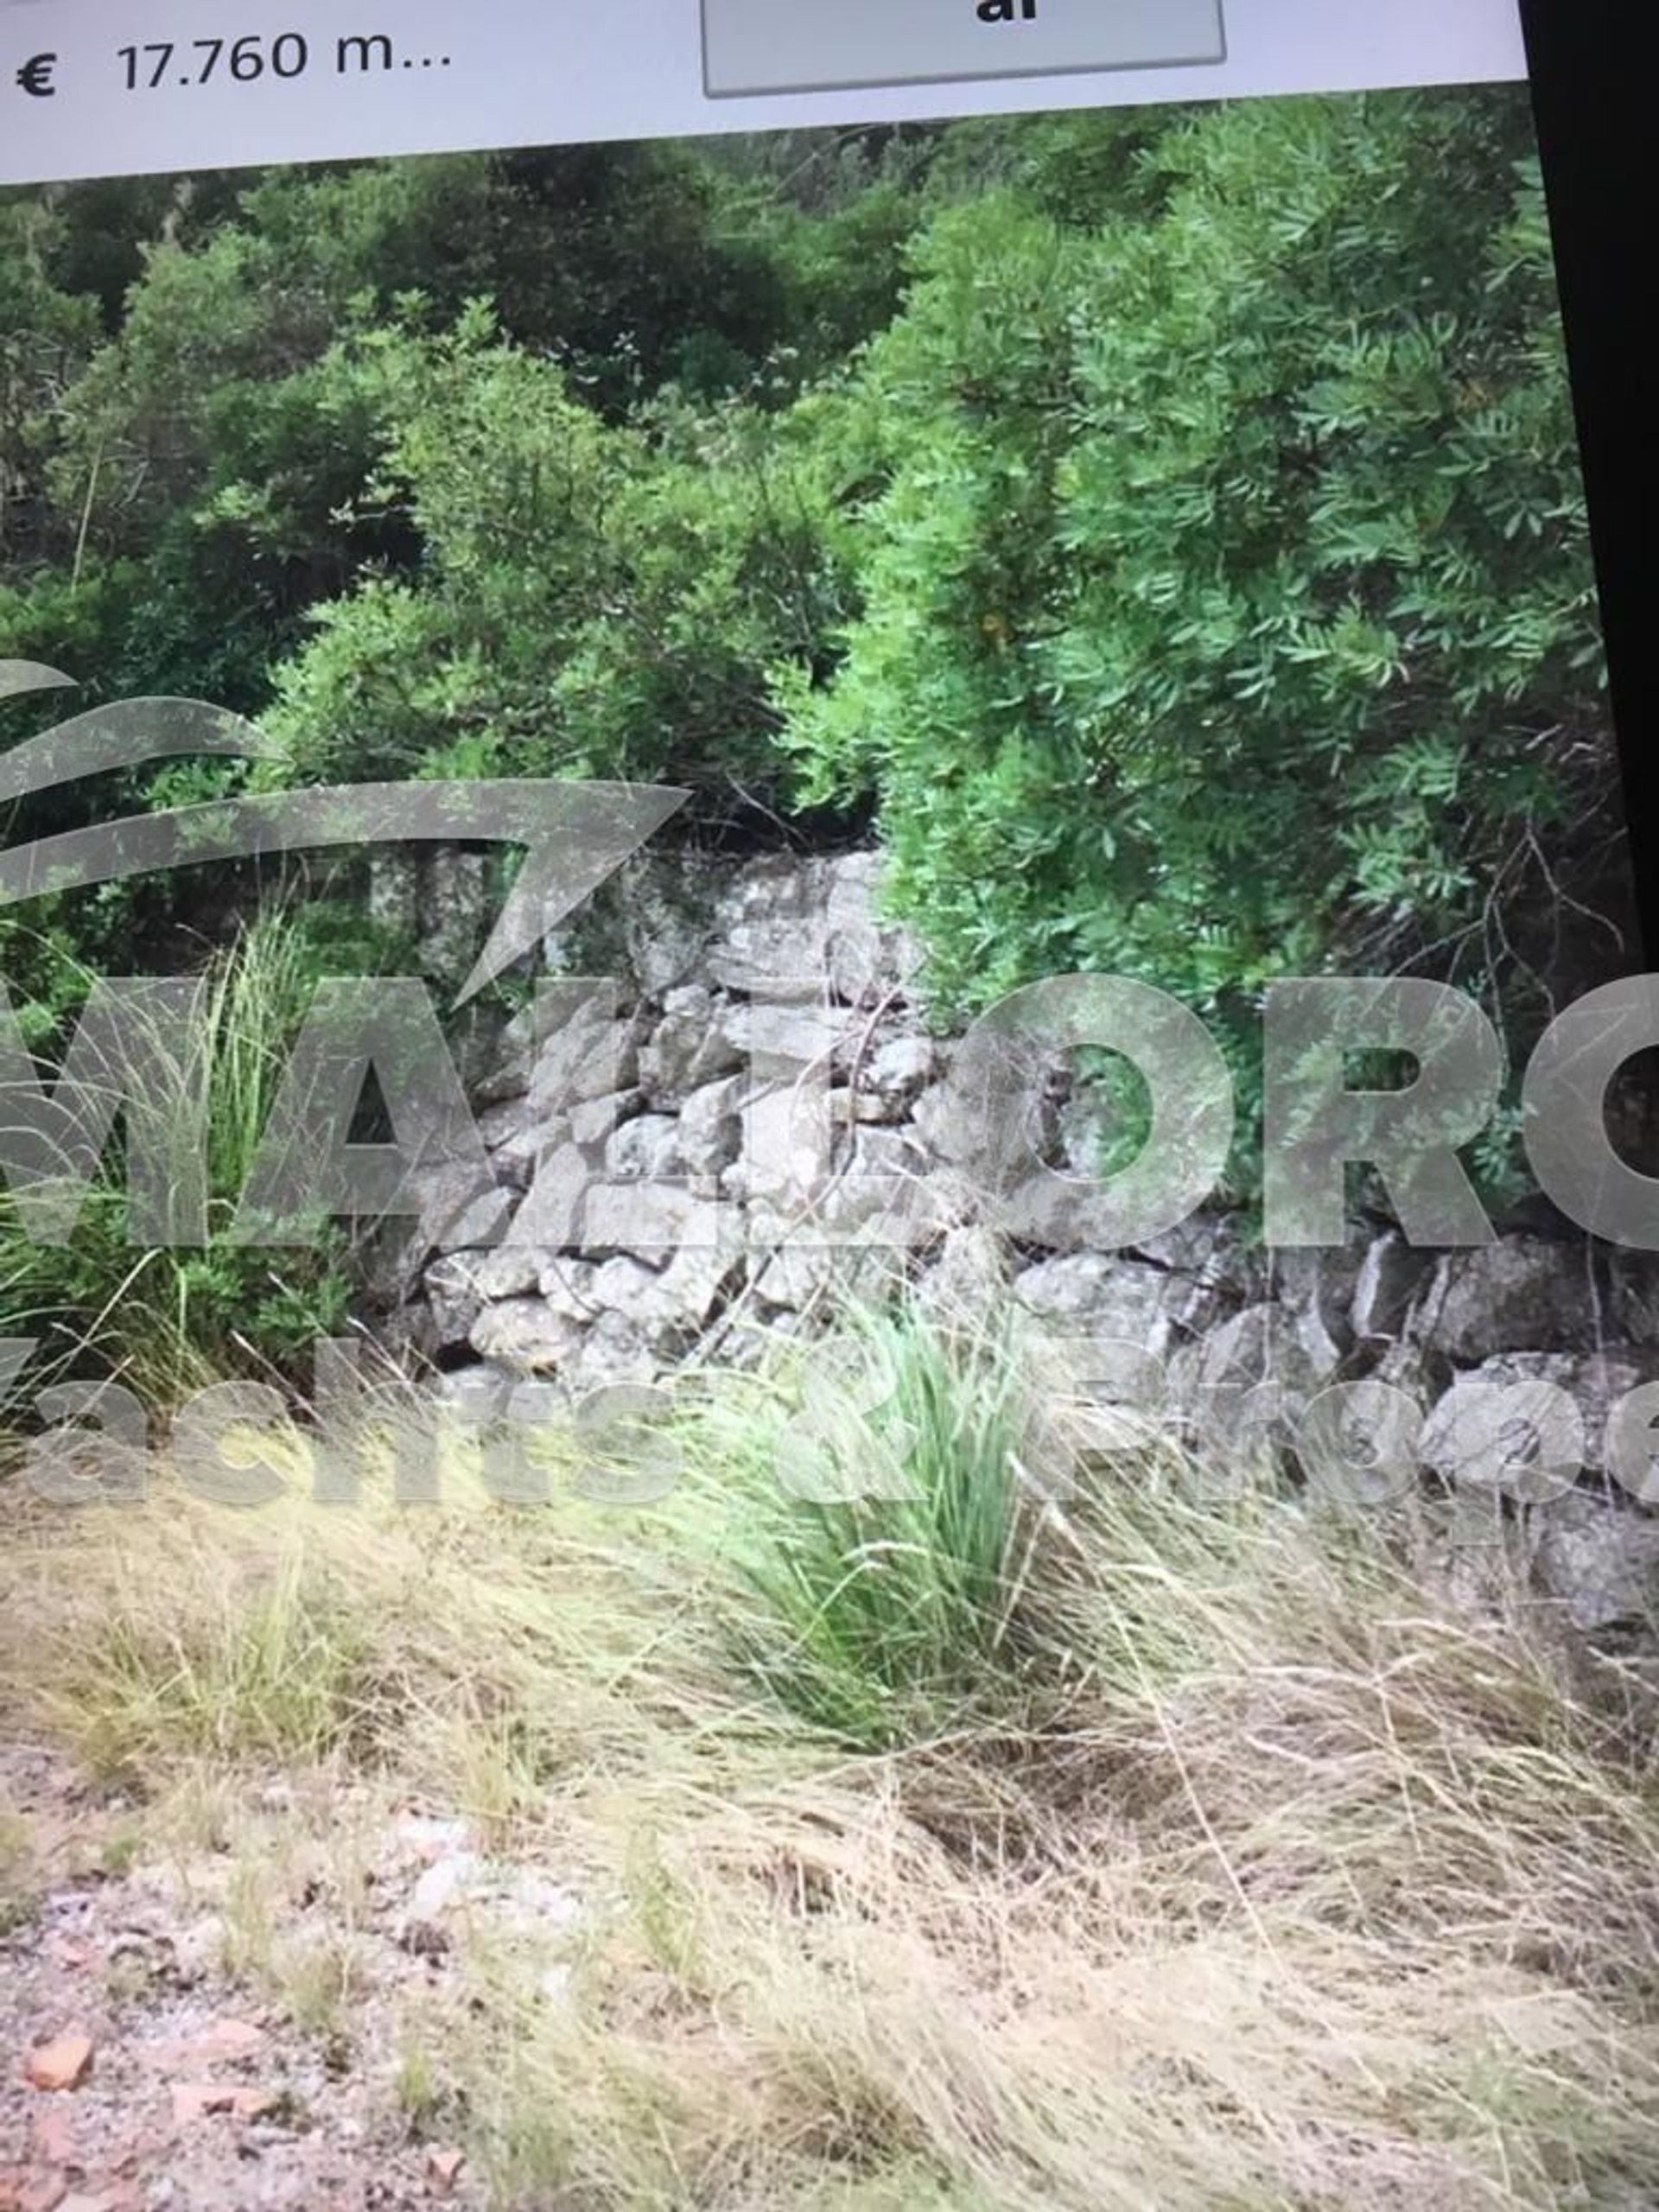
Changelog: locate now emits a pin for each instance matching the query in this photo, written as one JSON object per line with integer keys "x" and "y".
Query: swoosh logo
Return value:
{"x": 575, "y": 835}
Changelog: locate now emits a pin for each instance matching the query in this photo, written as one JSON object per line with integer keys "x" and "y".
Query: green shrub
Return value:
{"x": 1228, "y": 609}
{"x": 594, "y": 600}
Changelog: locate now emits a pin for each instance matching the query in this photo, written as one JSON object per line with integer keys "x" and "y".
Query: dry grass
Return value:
{"x": 1269, "y": 1881}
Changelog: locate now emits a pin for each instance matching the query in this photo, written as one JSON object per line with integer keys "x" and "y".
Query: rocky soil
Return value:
{"x": 140, "y": 2069}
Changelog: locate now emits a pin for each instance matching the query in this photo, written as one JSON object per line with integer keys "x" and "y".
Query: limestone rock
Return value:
{"x": 614, "y": 1350}
{"x": 1595, "y": 1382}
{"x": 812, "y": 920}
{"x": 1103, "y": 1293}
{"x": 526, "y": 1335}
{"x": 645, "y": 1151}
{"x": 1521, "y": 1294}
{"x": 453, "y": 1304}
{"x": 554, "y": 1209}
{"x": 622, "y": 1285}
{"x": 566, "y": 1284}
{"x": 802, "y": 1278}
{"x": 1600, "y": 1561}
{"x": 1390, "y": 1277}
{"x": 517, "y": 1159}
{"x": 598, "y": 1119}
{"x": 711, "y": 1126}
{"x": 650, "y": 1218}
{"x": 969, "y": 1278}
{"x": 462, "y": 1207}
{"x": 687, "y": 1050}
{"x": 585, "y": 1052}
{"x": 779, "y": 1038}
{"x": 898, "y": 1071}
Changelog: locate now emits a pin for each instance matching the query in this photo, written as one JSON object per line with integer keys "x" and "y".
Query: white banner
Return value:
{"x": 105, "y": 88}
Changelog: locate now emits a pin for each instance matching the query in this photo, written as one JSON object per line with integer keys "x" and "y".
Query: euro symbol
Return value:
{"x": 35, "y": 76}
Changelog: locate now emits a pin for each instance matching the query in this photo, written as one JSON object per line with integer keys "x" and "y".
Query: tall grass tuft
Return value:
{"x": 166, "y": 1319}
{"x": 884, "y": 1546}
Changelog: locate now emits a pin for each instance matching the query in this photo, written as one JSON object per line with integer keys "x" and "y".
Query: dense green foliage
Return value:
{"x": 1164, "y": 524}
{"x": 1227, "y": 606}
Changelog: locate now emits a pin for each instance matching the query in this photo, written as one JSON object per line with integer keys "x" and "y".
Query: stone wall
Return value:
{"x": 754, "y": 1123}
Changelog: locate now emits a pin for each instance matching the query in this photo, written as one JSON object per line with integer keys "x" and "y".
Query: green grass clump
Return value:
{"x": 885, "y": 1546}
{"x": 168, "y": 1320}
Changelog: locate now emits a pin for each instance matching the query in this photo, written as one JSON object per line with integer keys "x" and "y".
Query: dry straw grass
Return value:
{"x": 1222, "y": 1865}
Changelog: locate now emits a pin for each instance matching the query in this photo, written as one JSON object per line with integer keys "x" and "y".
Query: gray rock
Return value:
{"x": 778, "y": 1040}
{"x": 668, "y": 916}
{"x": 1600, "y": 1561}
{"x": 1261, "y": 1345}
{"x": 811, "y": 920}
{"x": 786, "y": 1148}
{"x": 665, "y": 1306}
{"x": 498, "y": 1125}
{"x": 691, "y": 1285}
{"x": 1247, "y": 1380}
{"x": 1595, "y": 1382}
{"x": 555, "y": 1209}
{"x": 1522, "y": 1295}
{"x": 453, "y": 1304}
{"x": 511, "y": 1271}
{"x": 516, "y": 1050}
{"x": 526, "y": 1335}
{"x": 450, "y": 901}
{"x": 898, "y": 1072}
{"x": 970, "y": 1276}
{"x": 802, "y": 1278}
{"x": 1080, "y": 1135}
{"x": 871, "y": 962}
{"x": 462, "y": 1207}
{"x": 519, "y": 1159}
{"x": 1391, "y": 1275}
{"x": 622, "y": 1285}
{"x": 394, "y": 891}
{"x": 476, "y": 1393}
{"x": 586, "y": 1053}
{"x": 597, "y": 1119}
{"x": 616, "y": 1351}
{"x": 645, "y": 1150}
{"x": 1326, "y": 1352}
{"x": 711, "y": 1126}
{"x": 771, "y": 923}
{"x": 1195, "y": 1248}
{"x": 1113, "y": 1297}
{"x": 1316, "y": 1288}
{"x": 1633, "y": 1303}
{"x": 651, "y": 1217}
{"x": 1484, "y": 1435}
{"x": 567, "y": 1286}
{"x": 1407, "y": 1368}
{"x": 882, "y": 1193}
{"x": 869, "y": 1108}
{"x": 686, "y": 1051}
{"x": 939, "y": 1121}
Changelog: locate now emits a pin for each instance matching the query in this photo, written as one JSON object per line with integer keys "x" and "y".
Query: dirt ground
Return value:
{"x": 198, "y": 2094}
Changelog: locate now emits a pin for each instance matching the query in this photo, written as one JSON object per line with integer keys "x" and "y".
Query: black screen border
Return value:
{"x": 1588, "y": 78}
